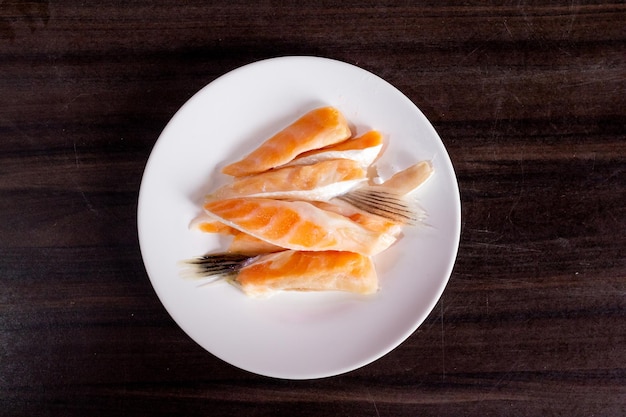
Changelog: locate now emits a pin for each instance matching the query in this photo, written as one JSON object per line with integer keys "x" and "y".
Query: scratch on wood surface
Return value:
{"x": 90, "y": 206}
{"x": 574, "y": 9}
{"x": 472, "y": 52}
{"x": 75, "y": 155}
{"x": 369, "y": 394}
{"x": 507, "y": 28}
{"x": 66, "y": 106}
{"x": 507, "y": 247}
{"x": 87, "y": 202}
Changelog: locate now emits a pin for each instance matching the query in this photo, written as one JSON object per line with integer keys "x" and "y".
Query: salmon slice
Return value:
{"x": 244, "y": 243}
{"x": 297, "y": 225}
{"x": 370, "y": 221}
{"x": 321, "y": 181}
{"x": 308, "y": 271}
{"x": 363, "y": 149}
{"x": 241, "y": 242}
{"x": 264, "y": 275}
{"x": 204, "y": 223}
{"x": 316, "y": 129}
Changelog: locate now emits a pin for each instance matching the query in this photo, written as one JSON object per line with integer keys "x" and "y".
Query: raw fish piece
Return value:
{"x": 241, "y": 243}
{"x": 363, "y": 149}
{"x": 391, "y": 198}
{"x": 309, "y": 271}
{"x": 316, "y": 129}
{"x": 297, "y": 225}
{"x": 408, "y": 180}
{"x": 244, "y": 243}
{"x": 205, "y": 223}
{"x": 370, "y": 221}
{"x": 289, "y": 270}
{"x": 321, "y": 181}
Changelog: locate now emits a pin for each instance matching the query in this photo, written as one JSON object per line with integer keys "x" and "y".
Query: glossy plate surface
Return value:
{"x": 294, "y": 335}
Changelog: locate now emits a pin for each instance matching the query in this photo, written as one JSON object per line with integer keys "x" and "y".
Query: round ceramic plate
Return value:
{"x": 294, "y": 335}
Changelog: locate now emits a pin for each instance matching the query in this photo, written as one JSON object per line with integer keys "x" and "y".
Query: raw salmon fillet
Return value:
{"x": 241, "y": 242}
{"x": 244, "y": 243}
{"x": 363, "y": 149}
{"x": 207, "y": 224}
{"x": 320, "y": 181}
{"x": 308, "y": 271}
{"x": 369, "y": 221}
{"x": 316, "y": 129}
{"x": 297, "y": 225}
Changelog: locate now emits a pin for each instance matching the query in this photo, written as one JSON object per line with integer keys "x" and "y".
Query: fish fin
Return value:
{"x": 386, "y": 204}
{"x": 215, "y": 267}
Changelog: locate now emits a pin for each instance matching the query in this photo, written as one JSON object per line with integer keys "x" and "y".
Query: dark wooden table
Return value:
{"x": 529, "y": 99}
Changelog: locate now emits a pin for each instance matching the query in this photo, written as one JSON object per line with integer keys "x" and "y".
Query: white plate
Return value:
{"x": 293, "y": 335}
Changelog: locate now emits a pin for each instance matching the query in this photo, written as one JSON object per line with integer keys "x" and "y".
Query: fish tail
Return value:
{"x": 214, "y": 267}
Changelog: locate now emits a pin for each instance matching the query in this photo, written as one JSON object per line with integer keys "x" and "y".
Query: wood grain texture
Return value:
{"x": 529, "y": 99}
